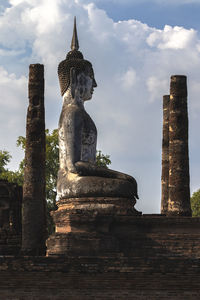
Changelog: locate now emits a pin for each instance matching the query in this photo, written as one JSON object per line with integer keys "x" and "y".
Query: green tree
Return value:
{"x": 195, "y": 203}
{"x": 102, "y": 160}
{"x": 4, "y": 160}
{"x": 11, "y": 176}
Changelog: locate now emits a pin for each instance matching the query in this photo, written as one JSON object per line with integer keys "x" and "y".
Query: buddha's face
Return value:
{"x": 86, "y": 84}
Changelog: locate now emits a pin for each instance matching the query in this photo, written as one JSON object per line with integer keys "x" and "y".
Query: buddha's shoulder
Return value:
{"x": 70, "y": 112}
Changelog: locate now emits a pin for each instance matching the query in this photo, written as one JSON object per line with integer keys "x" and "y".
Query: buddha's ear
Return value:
{"x": 73, "y": 81}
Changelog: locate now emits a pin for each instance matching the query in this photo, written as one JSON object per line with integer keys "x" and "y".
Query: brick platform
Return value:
{"x": 157, "y": 258}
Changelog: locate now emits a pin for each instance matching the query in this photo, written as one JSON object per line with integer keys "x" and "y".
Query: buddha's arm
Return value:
{"x": 72, "y": 127}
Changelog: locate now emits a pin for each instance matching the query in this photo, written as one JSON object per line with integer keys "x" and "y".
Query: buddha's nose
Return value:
{"x": 94, "y": 83}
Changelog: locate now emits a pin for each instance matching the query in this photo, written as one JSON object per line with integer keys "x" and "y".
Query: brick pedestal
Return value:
{"x": 83, "y": 225}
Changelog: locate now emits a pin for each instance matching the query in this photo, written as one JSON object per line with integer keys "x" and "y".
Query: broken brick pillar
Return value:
{"x": 179, "y": 178}
{"x": 165, "y": 156}
{"x": 34, "y": 203}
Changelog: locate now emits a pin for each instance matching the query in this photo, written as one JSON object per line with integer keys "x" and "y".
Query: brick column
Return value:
{"x": 34, "y": 202}
{"x": 179, "y": 179}
{"x": 165, "y": 156}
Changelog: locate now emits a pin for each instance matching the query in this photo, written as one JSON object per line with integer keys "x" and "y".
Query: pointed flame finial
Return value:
{"x": 74, "y": 43}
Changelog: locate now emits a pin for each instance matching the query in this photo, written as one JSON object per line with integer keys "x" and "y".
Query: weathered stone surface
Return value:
{"x": 95, "y": 186}
{"x": 179, "y": 179}
{"x": 10, "y": 218}
{"x": 34, "y": 203}
{"x": 135, "y": 236}
{"x": 83, "y": 224}
{"x": 165, "y": 156}
{"x": 149, "y": 257}
{"x": 79, "y": 176}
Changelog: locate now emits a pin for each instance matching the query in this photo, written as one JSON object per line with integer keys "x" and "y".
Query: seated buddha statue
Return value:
{"x": 79, "y": 176}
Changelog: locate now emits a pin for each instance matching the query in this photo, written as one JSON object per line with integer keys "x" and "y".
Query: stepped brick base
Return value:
{"x": 83, "y": 225}
{"x": 153, "y": 257}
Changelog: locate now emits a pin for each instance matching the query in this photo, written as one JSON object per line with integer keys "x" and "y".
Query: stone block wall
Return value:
{"x": 99, "y": 278}
{"x": 156, "y": 258}
{"x": 10, "y": 218}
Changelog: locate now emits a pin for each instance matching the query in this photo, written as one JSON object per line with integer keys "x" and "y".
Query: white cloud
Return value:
{"x": 172, "y": 38}
{"x": 132, "y": 63}
{"x": 13, "y": 102}
{"x": 128, "y": 79}
{"x": 10, "y": 85}
{"x": 9, "y": 52}
{"x": 156, "y": 86}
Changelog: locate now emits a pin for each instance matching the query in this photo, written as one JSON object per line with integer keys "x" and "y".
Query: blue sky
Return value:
{"x": 155, "y": 13}
{"x": 134, "y": 46}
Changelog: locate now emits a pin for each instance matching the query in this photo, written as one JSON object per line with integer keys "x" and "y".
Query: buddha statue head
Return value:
{"x": 75, "y": 72}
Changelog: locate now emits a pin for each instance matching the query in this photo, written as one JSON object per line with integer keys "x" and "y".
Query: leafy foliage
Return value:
{"x": 5, "y": 174}
{"x": 195, "y": 203}
{"x": 102, "y": 160}
{"x": 4, "y": 160}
